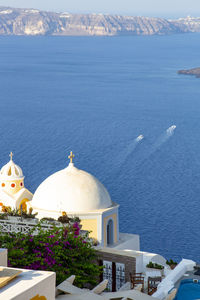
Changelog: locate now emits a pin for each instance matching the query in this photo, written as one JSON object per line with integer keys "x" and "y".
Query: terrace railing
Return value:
{"x": 16, "y": 225}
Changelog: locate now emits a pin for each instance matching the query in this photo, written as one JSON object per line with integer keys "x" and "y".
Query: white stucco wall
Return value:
{"x": 139, "y": 264}
{"x": 128, "y": 241}
{"x": 3, "y": 257}
{"x": 30, "y": 284}
{"x": 153, "y": 257}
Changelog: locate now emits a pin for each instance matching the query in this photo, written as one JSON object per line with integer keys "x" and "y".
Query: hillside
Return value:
{"x": 15, "y": 21}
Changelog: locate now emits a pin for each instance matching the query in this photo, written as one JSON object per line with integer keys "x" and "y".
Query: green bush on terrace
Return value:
{"x": 60, "y": 249}
{"x": 154, "y": 266}
{"x": 171, "y": 262}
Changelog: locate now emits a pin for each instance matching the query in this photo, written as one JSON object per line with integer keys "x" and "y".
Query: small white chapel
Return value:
{"x": 74, "y": 192}
{"x": 78, "y": 193}
{"x": 12, "y": 190}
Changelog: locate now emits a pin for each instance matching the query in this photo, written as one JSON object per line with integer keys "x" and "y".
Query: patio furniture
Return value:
{"x": 137, "y": 279}
{"x": 153, "y": 283}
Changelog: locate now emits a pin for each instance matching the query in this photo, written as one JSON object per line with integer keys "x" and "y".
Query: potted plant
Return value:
{"x": 155, "y": 266}
{"x": 171, "y": 263}
{"x": 64, "y": 219}
{"x": 17, "y": 214}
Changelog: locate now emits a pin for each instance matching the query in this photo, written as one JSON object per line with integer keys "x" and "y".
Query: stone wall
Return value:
{"x": 127, "y": 260}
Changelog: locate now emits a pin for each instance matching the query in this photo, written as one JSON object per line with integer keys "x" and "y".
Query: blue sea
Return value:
{"x": 95, "y": 96}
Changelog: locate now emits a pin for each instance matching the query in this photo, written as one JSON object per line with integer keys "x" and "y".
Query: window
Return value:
{"x": 110, "y": 228}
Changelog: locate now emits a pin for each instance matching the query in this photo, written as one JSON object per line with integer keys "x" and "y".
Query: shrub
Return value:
{"x": 8, "y": 211}
{"x": 171, "y": 262}
{"x": 154, "y": 266}
{"x": 63, "y": 219}
{"x": 60, "y": 249}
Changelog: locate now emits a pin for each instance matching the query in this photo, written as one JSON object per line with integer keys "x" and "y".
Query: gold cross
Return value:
{"x": 11, "y": 155}
{"x": 71, "y": 156}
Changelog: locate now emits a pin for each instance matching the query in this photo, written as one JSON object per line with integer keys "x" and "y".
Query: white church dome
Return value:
{"x": 11, "y": 171}
{"x": 71, "y": 190}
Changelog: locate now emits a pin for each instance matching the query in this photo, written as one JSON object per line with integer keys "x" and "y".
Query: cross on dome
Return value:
{"x": 11, "y": 155}
{"x": 71, "y": 156}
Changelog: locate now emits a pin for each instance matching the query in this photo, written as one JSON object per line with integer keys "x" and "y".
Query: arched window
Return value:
{"x": 110, "y": 229}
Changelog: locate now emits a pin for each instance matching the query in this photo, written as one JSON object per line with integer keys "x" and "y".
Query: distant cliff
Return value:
{"x": 15, "y": 21}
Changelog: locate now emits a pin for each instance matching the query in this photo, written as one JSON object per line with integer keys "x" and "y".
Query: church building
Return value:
{"x": 12, "y": 190}
{"x": 80, "y": 194}
{"x": 74, "y": 192}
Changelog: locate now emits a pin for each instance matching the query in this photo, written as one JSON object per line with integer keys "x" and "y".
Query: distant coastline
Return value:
{"x": 194, "y": 72}
{"x": 17, "y": 21}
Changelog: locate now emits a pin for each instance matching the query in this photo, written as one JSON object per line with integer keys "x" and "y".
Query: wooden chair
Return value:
{"x": 153, "y": 283}
{"x": 135, "y": 279}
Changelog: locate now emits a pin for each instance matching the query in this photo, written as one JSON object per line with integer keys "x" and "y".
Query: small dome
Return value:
{"x": 11, "y": 171}
{"x": 71, "y": 190}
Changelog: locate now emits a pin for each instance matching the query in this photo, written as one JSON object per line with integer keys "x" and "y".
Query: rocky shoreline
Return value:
{"x": 193, "y": 72}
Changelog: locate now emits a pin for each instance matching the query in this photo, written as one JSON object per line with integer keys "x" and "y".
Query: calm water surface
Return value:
{"x": 95, "y": 95}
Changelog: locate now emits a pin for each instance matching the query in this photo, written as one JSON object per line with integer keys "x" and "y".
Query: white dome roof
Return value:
{"x": 11, "y": 171}
{"x": 71, "y": 190}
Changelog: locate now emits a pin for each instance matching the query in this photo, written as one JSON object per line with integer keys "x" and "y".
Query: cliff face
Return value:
{"x": 115, "y": 25}
{"x": 34, "y": 22}
{"x": 27, "y": 22}
{"x": 188, "y": 24}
